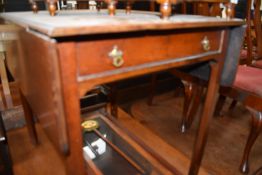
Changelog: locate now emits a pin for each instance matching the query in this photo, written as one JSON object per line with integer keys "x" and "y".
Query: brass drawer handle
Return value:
{"x": 117, "y": 57}
{"x": 205, "y": 44}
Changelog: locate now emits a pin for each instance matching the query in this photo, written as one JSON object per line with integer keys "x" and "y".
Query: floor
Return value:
{"x": 222, "y": 157}
{"x": 33, "y": 160}
{"x": 226, "y": 141}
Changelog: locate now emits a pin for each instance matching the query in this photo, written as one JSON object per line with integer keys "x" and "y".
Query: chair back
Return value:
{"x": 213, "y": 8}
{"x": 209, "y": 7}
{"x": 253, "y": 42}
{"x": 258, "y": 28}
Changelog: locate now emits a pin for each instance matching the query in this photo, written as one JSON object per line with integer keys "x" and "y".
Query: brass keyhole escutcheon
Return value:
{"x": 117, "y": 57}
{"x": 205, "y": 44}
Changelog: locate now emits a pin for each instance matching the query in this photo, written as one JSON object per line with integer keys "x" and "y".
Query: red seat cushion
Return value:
{"x": 249, "y": 79}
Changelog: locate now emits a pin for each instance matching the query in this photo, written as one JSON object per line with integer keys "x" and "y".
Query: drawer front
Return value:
{"x": 93, "y": 56}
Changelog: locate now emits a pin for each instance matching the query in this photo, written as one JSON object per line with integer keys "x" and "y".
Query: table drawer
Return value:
{"x": 138, "y": 49}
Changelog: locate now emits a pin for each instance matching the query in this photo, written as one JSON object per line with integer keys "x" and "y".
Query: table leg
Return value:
{"x": 68, "y": 65}
{"x": 207, "y": 114}
{"x": 29, "y": 119}
{"x": 152, "y": 89}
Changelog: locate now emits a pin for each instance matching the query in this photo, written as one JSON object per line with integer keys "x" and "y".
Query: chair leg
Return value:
{"x": 258, "y": 172}
{"x": 195, "y": 104}
{"x": 256, "y": 128}
{"x": 29, "y": 120}
{"x": 193, "y": 94}
{"x": 220, "y": 104}
{"x": 233, "y": 105}
{"x": 113, "y": 100}
{"x": 188, "y": 92}
{"x": 178, "y": 91}
{"x": 152, "y": 89}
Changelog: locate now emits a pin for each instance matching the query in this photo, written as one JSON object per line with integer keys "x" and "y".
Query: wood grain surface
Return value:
{"x": 83, "y": 22}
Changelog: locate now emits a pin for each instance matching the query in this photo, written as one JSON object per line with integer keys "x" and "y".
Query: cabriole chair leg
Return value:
{"x": 256, "y": 127}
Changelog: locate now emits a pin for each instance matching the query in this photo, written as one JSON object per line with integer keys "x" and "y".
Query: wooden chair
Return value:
{"x": 251, "y": 54}
{"x": 247, "y": 89}
{"x": 8, "y": 34}
{"x": 6, "y": 101}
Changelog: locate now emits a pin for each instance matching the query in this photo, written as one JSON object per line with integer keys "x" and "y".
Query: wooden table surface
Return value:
{"x": 84, "y": 22}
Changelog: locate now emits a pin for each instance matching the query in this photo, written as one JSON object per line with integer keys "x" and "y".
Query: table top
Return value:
{"x": 84, "y": 22}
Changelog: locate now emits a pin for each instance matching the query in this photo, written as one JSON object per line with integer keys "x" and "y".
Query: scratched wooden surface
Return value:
{"x": 83, "y": 22}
